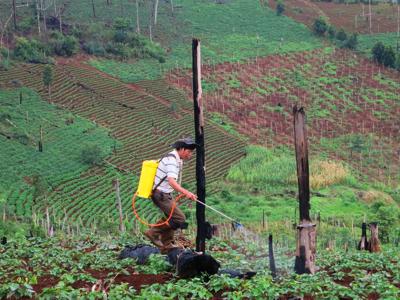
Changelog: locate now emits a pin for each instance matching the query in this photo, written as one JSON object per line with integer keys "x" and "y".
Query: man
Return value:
{"x": 168, "y": 173}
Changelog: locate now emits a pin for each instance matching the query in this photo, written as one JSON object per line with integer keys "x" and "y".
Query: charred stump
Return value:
{"x": 272, "y": 265}
{"x": 374, "y": 243}
{"x": 363, "y": 244}
{"x": 306, "y": 230}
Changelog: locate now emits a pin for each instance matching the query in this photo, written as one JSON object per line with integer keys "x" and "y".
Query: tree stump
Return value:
{"x": 306, "y": 248}
{"x": 374, "y": 243}
{"x": 363, "y": 244}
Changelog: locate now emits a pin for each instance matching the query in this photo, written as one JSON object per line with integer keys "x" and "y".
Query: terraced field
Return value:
{"x": 142, "y": 121}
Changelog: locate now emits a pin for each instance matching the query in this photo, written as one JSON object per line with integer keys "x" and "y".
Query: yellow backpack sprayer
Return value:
{"x": 145, "y": 188}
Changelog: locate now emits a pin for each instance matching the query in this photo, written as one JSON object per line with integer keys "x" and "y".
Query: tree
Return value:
{"x": 280, "y": 8}
{"x": 320, "y": 26}
{"x": 378, "y": 52}
{"x": 48, "y": 78}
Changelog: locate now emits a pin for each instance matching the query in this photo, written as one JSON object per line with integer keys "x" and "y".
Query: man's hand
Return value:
{"x": 190, "y": 195}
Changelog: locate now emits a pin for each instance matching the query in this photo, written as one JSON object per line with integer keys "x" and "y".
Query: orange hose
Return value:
{"x": 177, "y": 198}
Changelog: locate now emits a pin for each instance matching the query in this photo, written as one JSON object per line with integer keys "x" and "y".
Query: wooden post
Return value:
{"x": 93, "y": 9}
{"x": 306, "y": 231}
{"x": 363, "y": 244}
{"x": 263, "y": 219}
{"x": 199, "y": 134}
{"x": 20, "y": 97}
{"x": 119, "y": 205}
{"x": 41, "y": 140}
{"x": 374, "y": 243}
{"x": 272, "y": 266}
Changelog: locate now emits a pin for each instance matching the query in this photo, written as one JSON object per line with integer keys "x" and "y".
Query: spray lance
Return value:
{"x": 235, "y": 224}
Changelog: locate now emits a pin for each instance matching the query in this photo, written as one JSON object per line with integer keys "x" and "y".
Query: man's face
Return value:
{"x": 186, "y": 153}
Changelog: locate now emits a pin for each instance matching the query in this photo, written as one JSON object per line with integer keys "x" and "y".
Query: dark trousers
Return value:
{"x": 164, "y": 201}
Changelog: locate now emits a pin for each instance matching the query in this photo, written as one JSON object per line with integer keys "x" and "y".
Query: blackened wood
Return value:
{"x": 20, "y": 97}
{"x": 374, "y": 243}
{"x": 363, "y": 244}
{"x": 300, "y": 140}
{"x": 272, "y": 265}
{"x": 200, "y": 153}
{"x": 41, "y": 140}
{"x": 306, "y": 248}
{"x": 306, "y": 231}
{"x": 14, "y": 14}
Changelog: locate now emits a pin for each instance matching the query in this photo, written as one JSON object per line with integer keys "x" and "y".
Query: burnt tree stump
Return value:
{"x": 363, "y": 244}
{"x": 374, "y": 243}
{"x": 306, "y": 230}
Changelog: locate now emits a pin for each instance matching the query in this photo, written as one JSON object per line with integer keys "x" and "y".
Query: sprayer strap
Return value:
{"x": 165, "y": 177}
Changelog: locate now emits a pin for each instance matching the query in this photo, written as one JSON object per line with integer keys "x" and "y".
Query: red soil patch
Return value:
{"x": 45, "y": 281}
{"x": 351, "y": 17}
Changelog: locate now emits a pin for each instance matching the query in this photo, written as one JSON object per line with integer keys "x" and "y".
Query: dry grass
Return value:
{"x": 373, "y": 196}
{"x": 326, "y": 173}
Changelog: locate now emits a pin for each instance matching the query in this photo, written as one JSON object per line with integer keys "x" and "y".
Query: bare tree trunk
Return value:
{"x": 150, "y": 34}
{"x": 137, "y": 17}
{"x": 121, "y": 7}
{"x": 172, "y": 6}
{"x": 155, "y": 12}
{"x": 3, "y": 30}
{"x": 14, "y": 14}
{"x": 93, "y": 9}
{"x": 370, "y": 18}
{"x": 50, "y": 231}
{"x": 38, "y": 16}
{"x": 119, "y": 205}
{"x": 43, "y": 9}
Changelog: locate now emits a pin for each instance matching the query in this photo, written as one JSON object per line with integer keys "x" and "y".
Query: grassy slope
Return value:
{"x": 234, "y": 31}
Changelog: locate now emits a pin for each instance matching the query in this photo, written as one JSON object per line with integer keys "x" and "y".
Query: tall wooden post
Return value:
{"x": 272, "y": 266}
{"x": 41, "y": 140}
{"x": 199, "y": 134}
{"x": 306, "y": 231}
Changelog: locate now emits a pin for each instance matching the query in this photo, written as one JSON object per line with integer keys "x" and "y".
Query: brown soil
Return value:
{"x": 45, "y": 282}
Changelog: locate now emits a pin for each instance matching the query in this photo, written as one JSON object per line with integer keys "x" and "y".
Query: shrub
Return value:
{"x": 341, "y": 35}
{"x": 29, "y": 50}
{"x": 63, "y": 45}
{"x": 331, "y": 32}
{"x": 398, "y": 63}
{"x": 351, "y": 42}
{"x": 389, "y": 57}
{"x": 320, "y": 26}
{"x": 280, "y": 8}
{"x": 94, "y": 48}
{"x": 92, "y": 155}
{"x": 378, "y": 52}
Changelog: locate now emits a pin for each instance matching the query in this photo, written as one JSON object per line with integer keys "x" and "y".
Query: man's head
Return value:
{"x": 185, "y": 147}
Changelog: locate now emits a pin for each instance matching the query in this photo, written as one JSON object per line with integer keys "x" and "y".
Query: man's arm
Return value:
{"x": 177, "y": 187}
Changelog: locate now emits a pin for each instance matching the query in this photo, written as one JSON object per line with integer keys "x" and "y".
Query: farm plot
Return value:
{"x": 143, "y": 125}
{"x": 351, "y": 17}
{"x": 344, "y": 95}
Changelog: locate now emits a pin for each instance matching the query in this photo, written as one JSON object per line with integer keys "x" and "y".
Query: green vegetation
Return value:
{"x": 63, "y": 143}
{"x": 367, "y": 41}
{"x": 221, "y": 39}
